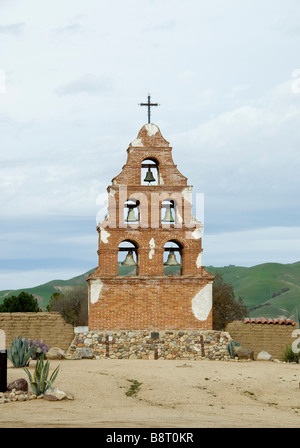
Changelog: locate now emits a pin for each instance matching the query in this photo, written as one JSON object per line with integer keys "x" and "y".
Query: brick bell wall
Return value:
{"x": 144, "y": 303}
{"x": 48, "y": 327}
{"x": 150, "y": 300}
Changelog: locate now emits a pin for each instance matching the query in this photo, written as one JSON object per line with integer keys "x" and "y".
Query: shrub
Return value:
{"x": 290, "y": 356}
{"x": 39, "y": 382}
{"x": 19, "y": 352}
{"x": 72, "y": 305}
{"x": 39, "y": 349}
{"x": 23, "y": 303}
{"x": 134, "y": 388}
{"x": 226, "y": 308}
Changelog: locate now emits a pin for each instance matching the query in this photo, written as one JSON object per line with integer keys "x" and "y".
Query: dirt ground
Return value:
{"x": 172, "y": 394}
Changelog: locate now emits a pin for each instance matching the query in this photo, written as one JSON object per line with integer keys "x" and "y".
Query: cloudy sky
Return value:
{"x": 72, "y": 73}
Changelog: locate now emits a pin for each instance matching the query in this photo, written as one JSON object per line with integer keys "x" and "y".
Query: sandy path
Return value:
{"x": 173, "y": 394}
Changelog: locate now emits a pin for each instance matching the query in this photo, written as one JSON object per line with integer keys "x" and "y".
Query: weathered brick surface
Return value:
{"x": 149, "y": 299}
{"x": 263, "y": 337}
{"x": 143, "y": 303}
{"x": 49, "y": 327}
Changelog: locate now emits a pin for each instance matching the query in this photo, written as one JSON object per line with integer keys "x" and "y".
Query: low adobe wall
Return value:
{"x": 270, "y": 335}
{"x": 48, "y": 327}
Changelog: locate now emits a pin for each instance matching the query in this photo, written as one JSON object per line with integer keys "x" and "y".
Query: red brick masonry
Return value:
{"x": 149, "y": 299}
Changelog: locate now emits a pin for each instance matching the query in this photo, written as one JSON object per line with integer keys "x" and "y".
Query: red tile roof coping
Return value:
{"x": 263, "y": 320}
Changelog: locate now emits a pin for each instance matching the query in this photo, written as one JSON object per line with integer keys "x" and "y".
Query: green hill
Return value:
{"x": 45, "y": 291}
{"x": 268, "y": 290}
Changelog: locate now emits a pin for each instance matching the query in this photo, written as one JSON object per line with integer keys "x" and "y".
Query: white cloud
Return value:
{"x": 235, "y": 91}
{"x": 252, "y": 247}
{"x": 217, "y": 69}
{"x": 187, "y": 75}
{"x": 166, "y": 26}
{"x": 89, "y": 84}
{"x": 250, "y": 147}
{"x": 14, "y": 29}
{"x": 71, "y": 29}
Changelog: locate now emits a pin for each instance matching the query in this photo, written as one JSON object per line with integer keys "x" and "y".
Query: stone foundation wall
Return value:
{"x": 172, "y": 344}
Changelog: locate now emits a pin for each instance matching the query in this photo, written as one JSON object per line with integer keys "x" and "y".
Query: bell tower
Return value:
{"x": 149, "y": 274}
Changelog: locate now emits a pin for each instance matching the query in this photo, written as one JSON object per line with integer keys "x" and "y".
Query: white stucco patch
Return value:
{"x": 104, "y": 235}
{"x": 199, "y": 260}
{"x": 112, "y": 191}
{"x": 152, "y": 247}
{"x": 187, "y": 194}
{"x": 202, "y": 302}
{"x": 96, "y": 287}
{"x": 197, "y": 233}
{"x": 152, "y": 129}
{"x": 137, "y": 142}
{"x": 178, "y": 219}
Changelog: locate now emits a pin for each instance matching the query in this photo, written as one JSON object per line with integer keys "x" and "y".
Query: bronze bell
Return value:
{"x": 168, "y": 216}
{"x": 171, "y": 261}
{"x": 149, "y": 176}
{"x": 131, "y": 216}
{"x": 129, "y": 260}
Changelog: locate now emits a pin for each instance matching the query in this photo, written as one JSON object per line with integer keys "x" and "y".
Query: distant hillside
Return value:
{"x": 268, "y": 290}
{"x": 45, "y": 291}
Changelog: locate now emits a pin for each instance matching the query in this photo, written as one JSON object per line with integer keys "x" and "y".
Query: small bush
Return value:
{"x": 39, "y": 349}
{"x": 72, "y": 305}
{"x": 23, "y": 303}
{"x": 134, "y": 388}
{"x": 290, "y": 356}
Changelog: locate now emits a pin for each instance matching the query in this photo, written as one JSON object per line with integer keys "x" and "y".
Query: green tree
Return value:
{"x": 226, "y": 308}
{"x": 23, "y": 303}
{"x": 72, "y": 305}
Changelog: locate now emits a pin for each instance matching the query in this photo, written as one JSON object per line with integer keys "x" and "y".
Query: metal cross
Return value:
{"x": 149, "y": 104}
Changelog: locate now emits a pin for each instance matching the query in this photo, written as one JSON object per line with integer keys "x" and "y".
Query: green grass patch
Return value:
{"x": 134, "y": 388}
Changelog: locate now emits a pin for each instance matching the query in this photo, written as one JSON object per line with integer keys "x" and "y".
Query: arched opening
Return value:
{"x": 168, "y": 212}
{"x": 172, "y": 258}
{"x": 149, "y": 172}
{"x": 127, "y": 258}
{"x": 132, "y": 211}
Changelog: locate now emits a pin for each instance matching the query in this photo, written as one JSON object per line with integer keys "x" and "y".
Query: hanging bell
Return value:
{"x": 131, "y": 216}
{"x": 149, "y": 176}
{"x": 171, "y": 261}
{"x": 129, "y": 260}
{"x": 168, "y": 216}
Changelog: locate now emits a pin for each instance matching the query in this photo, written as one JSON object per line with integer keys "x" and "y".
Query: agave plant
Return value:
{"x": 229, "y": 347}
{"x": 19, "y": 352}
{"x": 39, "y": 382}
